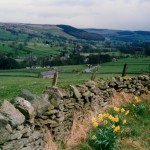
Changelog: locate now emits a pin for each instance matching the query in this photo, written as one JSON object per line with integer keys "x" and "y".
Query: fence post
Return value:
{"x": 94, "y": 73}
{"x": 124, "y": 70}
{"x": 55, "y": 78}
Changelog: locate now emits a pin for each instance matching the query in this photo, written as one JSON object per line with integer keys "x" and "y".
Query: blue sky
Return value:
{"x": 110, "y": 14}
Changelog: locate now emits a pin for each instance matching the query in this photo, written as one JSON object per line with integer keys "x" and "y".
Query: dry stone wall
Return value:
{"x": 24, "y": 120}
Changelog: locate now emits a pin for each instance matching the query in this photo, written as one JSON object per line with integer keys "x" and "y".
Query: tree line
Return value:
{"x": 76, "y": 59}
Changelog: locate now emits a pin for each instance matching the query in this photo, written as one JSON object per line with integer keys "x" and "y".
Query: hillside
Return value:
{"x": 21, "y": 32}
{"x": 122, "y": 35}
{"x": 24, "y": 40}
{"x": 81, "y": 34}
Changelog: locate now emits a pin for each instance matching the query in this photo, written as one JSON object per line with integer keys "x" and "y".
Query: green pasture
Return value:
{"x": 40, "y": 49}
{"x": 11, "y": 81}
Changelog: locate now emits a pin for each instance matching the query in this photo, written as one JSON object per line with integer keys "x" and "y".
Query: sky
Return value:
{"x": 100, "y": 14}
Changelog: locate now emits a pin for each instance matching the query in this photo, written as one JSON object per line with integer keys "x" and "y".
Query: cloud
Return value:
{"x": 114, "y": 14}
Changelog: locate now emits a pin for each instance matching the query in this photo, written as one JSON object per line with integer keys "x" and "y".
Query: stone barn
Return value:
{"x": 47, "y": 74}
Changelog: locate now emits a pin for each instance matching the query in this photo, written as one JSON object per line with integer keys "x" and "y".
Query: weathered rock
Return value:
{"x": 55, "y": 100}
{"x": 9, "y": 128}
{"x": 36, "y": 135}
{"x": 20, "y": 127}
{"x": 51, "y": 112}
{"x": 76, "y": 92}
{"x": 90, "y": 84}
{"x": 63, "y": 92}
{"x": 27, "y": 95}
{"x": 26, "y": 132}
{"x": 16, "y": 135}
{"x": 103, "y": 85}
{"x": 4, "y": 133}
{"x": 25, "y": 108}
{"x": 14, "y": 115}
{"x": 42, "y": 103}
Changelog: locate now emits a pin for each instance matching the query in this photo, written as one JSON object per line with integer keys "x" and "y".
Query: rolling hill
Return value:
{"x": 23, "y": 40}
{"x": 81, "y": 34}
{"x": 122, "y": 35}
{"x": 15, "y": 31}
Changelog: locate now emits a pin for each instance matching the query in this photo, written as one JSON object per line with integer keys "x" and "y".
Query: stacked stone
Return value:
{"x": 136, "y": 85}
{"x": 18, "y": 130}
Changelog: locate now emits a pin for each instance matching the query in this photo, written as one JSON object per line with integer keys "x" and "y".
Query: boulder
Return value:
{"x": 14, "y": 115}
{"x": 40, "y": 103}
{"x": 25, "y": 108}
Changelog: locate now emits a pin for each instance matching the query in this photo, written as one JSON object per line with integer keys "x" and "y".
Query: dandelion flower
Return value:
{"x": 116, "y": 109}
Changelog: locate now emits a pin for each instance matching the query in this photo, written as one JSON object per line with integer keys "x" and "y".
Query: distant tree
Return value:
{"x": 8, "y": 63}
{"x": 98, "y": 59}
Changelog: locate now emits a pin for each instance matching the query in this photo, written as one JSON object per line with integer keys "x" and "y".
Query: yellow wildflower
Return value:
{"x": 111, "y": 117}
{"x": 122, "y": 110}
{"x": 116, "y": 109}
{"x": 93, "y": 119}
{"x": 95, "y": 124}
{"x": 113, "y": 126}
{"x": 116, "y": 129}
{"x": 94, "y": 137}
{"x": 100, "y": 117}
{"x": 105, "y": 121}
{"x": 127, "y": 112}
{"x": 124, "y": 121}
{"x": 116, "y": 119}
{"x": 106, "y": 115}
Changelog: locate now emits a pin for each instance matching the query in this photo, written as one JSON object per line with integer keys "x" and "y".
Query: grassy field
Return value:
{"x": 12, "y": 81}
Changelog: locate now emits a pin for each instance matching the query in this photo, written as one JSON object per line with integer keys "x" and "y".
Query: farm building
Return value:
{"x": 47, "y": 74}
